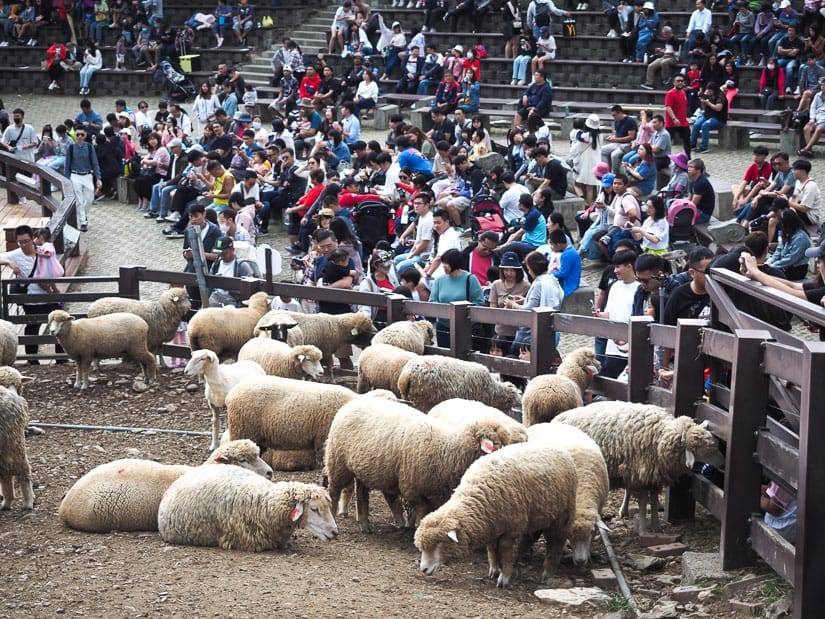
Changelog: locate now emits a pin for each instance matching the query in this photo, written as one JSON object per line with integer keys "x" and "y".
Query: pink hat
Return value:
{"x": 680, "y": 160}
{"x": 601, "y": 169}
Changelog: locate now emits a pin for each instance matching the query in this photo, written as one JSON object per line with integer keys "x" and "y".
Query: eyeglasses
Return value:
{"x": 80, "y": 134}
{"x": 403, "y": 177}
{"x": 643, "y": 280}
{"x": 24, "y": 241}
{"x": 699, "y": 271}
{"x": 775, "y": 163}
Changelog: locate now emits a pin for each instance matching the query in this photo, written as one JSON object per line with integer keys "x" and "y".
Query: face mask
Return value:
{"x": 771, "y": 67}
{"x": 224, "y": 228}
{"x": 256, "y": 125}
{"x": 470, "y": 55}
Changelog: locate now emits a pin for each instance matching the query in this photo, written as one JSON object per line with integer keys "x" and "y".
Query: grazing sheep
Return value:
{"x": 14, "y": 461}
{"x": 280, "y": 359}
{"x": 237, "y": 510}
{"x": 219, "y": 379}
{"x": 163, "y": 316}
{"x": 645, "y": 448}
{"x": 412, "y": 336}
{"x": 124, "y": 495}
{"x": 458, "y": 411}
{"x": 8, "y": 343}
{"x": 428, "y": 380}
{"x": 390, "y": 447}
{"x": 104, "y": 337}
{"x": 279, "y": 325}
{"x": 580, "y": 366}
{"x": 12, "y": 379}
{"x": 546, "y": 396}
{"x": 593, "y": 483}
{"x": 283, "y": 414}
{"x": 522, "y": 490}
{"x": 379, "y": 367}
{"x": 225, "y": 329}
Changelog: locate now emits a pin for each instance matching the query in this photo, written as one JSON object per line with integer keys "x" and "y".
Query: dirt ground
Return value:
{"x": 49, "y": 570}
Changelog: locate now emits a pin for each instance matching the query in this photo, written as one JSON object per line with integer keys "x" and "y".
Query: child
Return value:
{"x": 545, "y": 49}
{"x": 693, "y": 79}
{"x": 336, "y": 270}
{"x": 250, "y": 97}
{"x": 579, "y": 141}
{"x": 479, "y": 149}
{"x": 47, "y": 263}
{"x": 120, "y": 53}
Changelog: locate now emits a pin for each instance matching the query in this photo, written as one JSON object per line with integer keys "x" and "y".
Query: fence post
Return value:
{"x": 542, "y": 350}
{"x": 688, "y": 387}
{"x": 249, "y": 286}
{"x": 640, "y": 358}
{"x": 395, "y": 308}
{"x": 461, "y": 329}
{"x": 128, "y": 283}
{"x": 743, "y": 475}
{"x": 809, "y": 562}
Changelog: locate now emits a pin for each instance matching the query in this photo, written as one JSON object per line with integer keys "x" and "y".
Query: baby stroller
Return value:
{"x": 371, "y": 221}
{"x": 174, "y": 83}
{"x": 485, "y": 215}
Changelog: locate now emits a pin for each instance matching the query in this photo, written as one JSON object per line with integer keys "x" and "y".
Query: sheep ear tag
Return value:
{"x": 354, "y": 331}
{"x": 301, "y": 358}
{"x": 689, "y": 458}
{"x": 487, "y": 446}
{"x": 296, "y": 512}
{"x": 453, "y": 535}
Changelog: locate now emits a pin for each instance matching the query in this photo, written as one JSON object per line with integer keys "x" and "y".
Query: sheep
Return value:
{"x": 225, "y": 329}
{"x": 163, "y": 315}
{"x": 548, "y": 395}
{"x": 280, "y": 359}
{"x": 219, "y": 379}
{"x": 428, "y": 380}
{"x": 379, "y": 367}
{"x": 237, "y": 510}
{"x": 411, "y": 336}
{"x": 519, "y": 491}
{"x": 645, "y": 448}
{"x": 393, "y": 448}
{"x": 593, "y": 483}
{"x": 284, "y": 414}
{"x": 112, "y": 335}
{"x": 457, "y": 411}
{"x": 280, "y": 326}
{"x": 8, "y": 343}
{"x": 14, "y": 461}
{"x": 580, "y": 366}
{"x": 12, "y": 379}
{"x": 124, "y": 495}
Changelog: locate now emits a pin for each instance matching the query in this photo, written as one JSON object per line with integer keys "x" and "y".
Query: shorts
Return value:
{"x": 460, "y": 203}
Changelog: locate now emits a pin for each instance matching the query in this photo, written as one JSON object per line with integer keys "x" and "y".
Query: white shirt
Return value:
{"x": 658, "y": 228}
{"x": 700, "y": 20}
{"x": 509, "y": 202}
{"x": 619, "y": 307}
{"x": 449, "y": 240}
{"x": 367, "y": 91}
{"x": 424, "y": 229}
{"x": 27, "y": 136}
{"x": 808, "y": 194}
{"x": 26, "y": 264}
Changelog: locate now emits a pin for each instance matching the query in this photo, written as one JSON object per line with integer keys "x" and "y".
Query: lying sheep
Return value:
{"x": 645, "y": 448}
{"x": 390, "y": 447}
{"x": 279, "y": 325}
{"x": 409, "y": 335}
{"x": 219, "y": 379}
{"x": 237, "y": 510}
{"x": 14, "y": 460}
{"x": 286, "y": 414}
{"x": 546, "y": 396}
{"x": 457, "y": 411}
{"x": 8, "y": 343}
{"x": 225, "y": 329}
{"x": 124, "y": 495}
{"x": 580, "y": 366}
{"x": 280, "y": 359}
{"x": 428, "y": 380}
{"x": 379, "y": 367}
{"x": 522, "y": 490}
{"x": 104, "y": 337}
{"x": 593, "y": 483}
{"x": 162, "y": 316}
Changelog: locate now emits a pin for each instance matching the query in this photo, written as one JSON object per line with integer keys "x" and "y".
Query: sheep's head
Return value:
{"x": 427, "y": 330}
{"x": 360, "y": 327}
{"x": 278, "y": 323}
{"x": 309, "y": 360}
{"x": 258, "y": 302}
{"x": 178, "y": 298}
{"x": 313, "y": 511}
{"x": 200, "y": 360}
{"x": 439, "y": 538}
{"x": 13, "y": 380}
{"x": 58, "y": 321}
{"x": 581, "y": 534}
{"x": 488, "y": 434}
{"x": 243, "y": 453}
{"x": 509, "y": 396}
{"x": 700, "y": 444}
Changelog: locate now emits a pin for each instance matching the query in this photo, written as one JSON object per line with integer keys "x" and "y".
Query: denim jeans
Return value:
{"x": 161, "y": 197}
{"x": 705, "y": 125}
{"x": 86, "y": 75}
{"x": 405, "y": 261}
{"x": 424, "y": 87}
{"x": 520, "y": 65}
{"x": 744, "y": 41}
{"x": 790, "y": 65}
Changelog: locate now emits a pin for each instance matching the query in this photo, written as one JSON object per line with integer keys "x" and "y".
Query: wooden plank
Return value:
{"x": 503, "y": 365}
{"x": 610, "y": 388}
{"x": 783, "y": 362}
{"x": 587, "y": 325}
{"x": 776, "y": 552}
{"x": 497, "y": 316}
{"x": 663, "y": 335}
{"x": 709, "y": 495}
{"x": 718, "y": 344}
{"x": 717, "y": 418}
{"x": 781, "y": 459}
{"x": 640, "y": 358}
{"x": 659, "y": 396}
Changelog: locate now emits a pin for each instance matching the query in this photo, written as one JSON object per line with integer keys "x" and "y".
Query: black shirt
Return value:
{"x": 702, "y": 187}
{"x": 684, "y": 303}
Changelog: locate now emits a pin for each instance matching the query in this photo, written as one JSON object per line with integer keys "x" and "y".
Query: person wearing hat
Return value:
{"x": 162, "y": 192}
{"x": 786, "y": 17}
{"x": 545, "y": 49}
{"x": 646, "y": 25}
{"x": 679, "y": 181}
{"x": 587, "y": 149}
{"x": 600, "y": 218}
{"x": 511, "y": 284}
{"x": 816, "y": 125}
{"x": 395, "y": 42}
{"x": 227, "y": 265}
{"x": 381, "y": 278}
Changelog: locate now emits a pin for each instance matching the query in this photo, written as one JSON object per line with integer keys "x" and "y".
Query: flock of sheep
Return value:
{"x": 434, "y": 435}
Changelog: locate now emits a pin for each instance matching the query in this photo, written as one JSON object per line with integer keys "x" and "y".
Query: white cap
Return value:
{"x": 649, "y": 5}
{"x": 784, "y": 4}
{"x": 459, "y": 49}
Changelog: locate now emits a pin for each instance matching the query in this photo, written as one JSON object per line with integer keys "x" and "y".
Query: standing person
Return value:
{"x": 205, "y": 105}
{"x": 110, "y": 159}
{"x": 589, "y": 146}
{"x": 209, "y": 234}
{"x": 19, "y": 138}
{"x": 619, "y": 308}
{"x": 23, "y": 262}
{"x": 83, "y": 169}
{"x": 513, "y": 27}
{"x": 619, "y": 143}
{"x": 676, "y": 121}
{"x": 545, "y": 291}
{"x": 455, "y": 285}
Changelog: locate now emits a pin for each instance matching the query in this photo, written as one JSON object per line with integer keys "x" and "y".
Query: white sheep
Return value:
{"x": 522, "y": 490}
{"x": 457, "y": 411}
{"x": 234, "y": 509}
{"x": 225, "y": 329}
{"x": 280, "y": 359}
{"x": 104, "y": 337}
{"x": 162, "y": 316}
{"x": 580, "y": 366}
{"x": 283, "y": 414}
{"x": 409, "y": 335}
{"x": 380, "y": 365}
{"x": 546, "y": 396}
{"x": 8, "y": 342}
{"x": 593, "y": 483}
{"x": 13, "y": 379}
{"x": 428, "y": 380}
{"x": 645, "y": 448}
{"x": 399, "y": 451}
{"x": 124, "y": 495}
{"x": 279, "y": 325}
{"x": 220, "y": 378}
{"x": 14, "y": 461}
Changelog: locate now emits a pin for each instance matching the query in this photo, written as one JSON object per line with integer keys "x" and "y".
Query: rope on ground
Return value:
{"x": 69, "y": 426}
{"x": 614, "y": 564}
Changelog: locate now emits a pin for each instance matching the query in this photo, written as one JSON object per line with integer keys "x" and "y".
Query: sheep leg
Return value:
{"x": 554, "y": 543}
{"x": 340, "y": 481}
{"x": 654, "y": 510}
{"x": 7, "y": 488}
{"x": 506, "y": 560}
{"x": 624, "y": 510}
{"x": 394, "y": 502}
{"x": 344, "y": 501}
{"x": 149, "y": 367}
{"x": 82, "y": 380}
{"x": 492, "y": 561}
{"x": 24, "y": 480}
{"x": 642, "y": 515}
{"x": 216, "y": 428}
{"x": 362, "y": 506}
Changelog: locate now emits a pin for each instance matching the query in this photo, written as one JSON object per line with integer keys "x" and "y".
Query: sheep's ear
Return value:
{"x": 704, "y": 425}
{"x": 689, "y": 458}
{"x": 301, "y": 358}
{"x": 221, "y": 458}
{"x": 487, "y": 446}
{"x": 591, "y": 370}
{"x": 354, "y": 331}
{"x": 288, "y": 327}
{"x": 453, "y": 535}
{"x": 26, "y": 379}
{"x": 296, "y": 513}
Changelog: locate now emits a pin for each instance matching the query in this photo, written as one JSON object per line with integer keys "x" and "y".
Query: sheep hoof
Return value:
{"x": 366, "y": 527}
{"x": 503, "y": 581}
{"x": 493, "y": 573}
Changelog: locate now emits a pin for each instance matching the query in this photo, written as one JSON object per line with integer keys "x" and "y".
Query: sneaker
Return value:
{"x": 84, "y": 228}
{"x": 52, "y": 85}
{"x": 161, "y": 220}
{"x": 56, "y": 86}
{"x": 150, "y": 215}
{"x": 605, "y": 240}
{"x": 513, "y": 82}
{"x": 175, "y": 235}
{"x": 646, "y": 86}
{"x": 169, "y": 230}
{"x": 411, "y": 4}
{"x": 34, "y": 42}
{"x": 173, "y": 218}
{"x": 220, "y": 42}
{"x": 521, "y": 82}
{"x": 585, "y": 6}
{"x": 612, "y": 34}
{"x": 702, "y": 151}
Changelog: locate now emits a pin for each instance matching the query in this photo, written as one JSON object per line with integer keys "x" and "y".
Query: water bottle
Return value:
{"x": 779, "y": 238}
{"x": 708, "y": 471}
{"x": 566, "y": 110}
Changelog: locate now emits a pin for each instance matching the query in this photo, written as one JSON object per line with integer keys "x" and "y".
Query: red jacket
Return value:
{"x": 309, "y": 86}
{"x": 56, "y": 52}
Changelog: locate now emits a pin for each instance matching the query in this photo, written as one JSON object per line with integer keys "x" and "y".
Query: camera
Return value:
{"x": 12, "y": 143}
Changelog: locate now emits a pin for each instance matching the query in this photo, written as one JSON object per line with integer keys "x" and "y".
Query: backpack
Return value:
{"x": 542, "y": 14}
